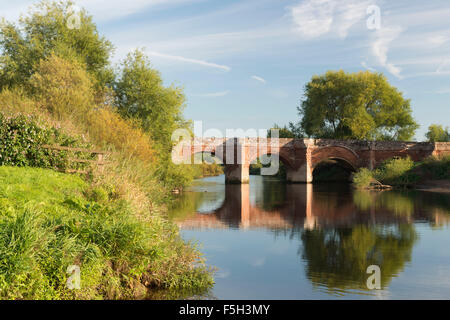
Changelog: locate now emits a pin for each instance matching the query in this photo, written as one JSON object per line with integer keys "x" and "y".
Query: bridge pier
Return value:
{"x": 302, "y": 174}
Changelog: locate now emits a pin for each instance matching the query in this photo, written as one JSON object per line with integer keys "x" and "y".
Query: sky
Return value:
{"x": 244, "y": 64}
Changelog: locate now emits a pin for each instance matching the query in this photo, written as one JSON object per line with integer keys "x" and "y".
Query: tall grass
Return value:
{"x": 50, "y": 221}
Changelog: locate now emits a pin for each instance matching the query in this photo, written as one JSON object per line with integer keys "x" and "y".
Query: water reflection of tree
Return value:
{"x": 186, "y": 205}
{"x": 274, "y": 194}
{"x": 401, "y": 203}
{"x": 338, "y": 258}
{"x": 397, "y": 202}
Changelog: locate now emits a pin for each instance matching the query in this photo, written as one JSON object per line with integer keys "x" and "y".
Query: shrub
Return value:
{"x": 110, "y": 130}
{"x": 436, "y": 168}
{"x": 396, "y": 172}
{"x": 362, "y": 178}
{"x": 21, "y": 140}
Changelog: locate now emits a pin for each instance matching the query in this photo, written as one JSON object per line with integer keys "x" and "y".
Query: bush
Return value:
{"x": 110, "y": 130}
{"x": 21, "y": 140}
{"x": 362, "y": 178}
{"x": 436, "y": 168}
{"x": 396, "y": 172}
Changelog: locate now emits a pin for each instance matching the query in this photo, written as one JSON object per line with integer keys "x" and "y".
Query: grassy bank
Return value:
{"x": 405, "y": 173}
{"x": 52, "y": 220}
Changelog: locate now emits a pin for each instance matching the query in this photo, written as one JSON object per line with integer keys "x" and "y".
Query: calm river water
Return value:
{"x": 271, "y": 240}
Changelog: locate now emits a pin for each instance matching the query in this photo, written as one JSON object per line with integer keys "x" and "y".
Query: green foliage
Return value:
{"x": 142, "y": 96}
{"x": 207, "y": 170}
{"x": 209, "y": 166}
{"x": 63, "y": 87}
{"x": 111, "y": 227}
{"x": 50, "y": 221}
{"x": 363, "y": 105}
{"x": 286, "y": 132}
{"x": 45, "y": 31}
{"x": 434, "y": 168}
{"x": 21, "y": 140}
{"x": 362, "y": 178}
{"x": 403, "y": 172}
{"x": 396, "y": 172}
{"x": 436, "y": 133}
{"x": 255, "y": 168}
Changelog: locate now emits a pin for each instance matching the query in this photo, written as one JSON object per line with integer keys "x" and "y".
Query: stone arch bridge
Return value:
{"x": 301, "y": 156}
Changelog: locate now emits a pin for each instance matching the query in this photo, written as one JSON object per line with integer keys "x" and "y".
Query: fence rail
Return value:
{"x": 99, "y": 162}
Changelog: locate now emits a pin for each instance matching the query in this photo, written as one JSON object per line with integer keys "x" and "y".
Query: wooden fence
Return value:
{"x": 100, "y": 162}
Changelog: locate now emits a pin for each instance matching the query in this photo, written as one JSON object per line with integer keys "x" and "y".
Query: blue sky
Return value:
{"x": 244, "y": 64}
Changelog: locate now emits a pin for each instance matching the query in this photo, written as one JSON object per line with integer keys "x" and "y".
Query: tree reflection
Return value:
{"x": 338, "y": 258}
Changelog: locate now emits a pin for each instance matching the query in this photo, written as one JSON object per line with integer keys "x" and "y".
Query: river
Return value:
{"x": 272, "y": 240}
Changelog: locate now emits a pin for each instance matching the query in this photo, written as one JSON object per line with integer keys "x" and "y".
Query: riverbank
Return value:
{"x": 439, "y": 186}
{"x": 432, "y": 174}
{"x": 51, "y": 221}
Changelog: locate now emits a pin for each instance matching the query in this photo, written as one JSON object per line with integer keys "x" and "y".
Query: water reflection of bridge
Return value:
{"x": 306, "y": 209}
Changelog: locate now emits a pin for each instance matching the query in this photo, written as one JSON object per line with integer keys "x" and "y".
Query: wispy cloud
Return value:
{"x": 314, "y": 18}
{"x": 262, "y": 80}
{"x": 213, "y": 94}
{"x": 349, "y": 13}
{"x": 188, "y": 60}
{"x": 438, "y": 39}
{"x": 364, "y": 64}
{"x": 380, "y": 48}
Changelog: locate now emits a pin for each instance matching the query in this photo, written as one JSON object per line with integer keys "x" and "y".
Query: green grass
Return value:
{"x": 50, "y": 220}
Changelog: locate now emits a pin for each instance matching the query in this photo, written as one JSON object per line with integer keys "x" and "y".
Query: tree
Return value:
{"x": 286, "y": 132}
{"x": 64, "y": 88}
{"x": 47, "y": 30}
{"x": 436, "y": 133}
{"x": 141, "y": 95}
{"x": 363, "y": 105}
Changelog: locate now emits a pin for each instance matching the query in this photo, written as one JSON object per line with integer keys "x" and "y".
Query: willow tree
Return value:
{"x": 363, "y": 105}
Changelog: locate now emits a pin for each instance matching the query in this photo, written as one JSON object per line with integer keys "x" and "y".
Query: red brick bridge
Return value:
{"x": 301, "y": 156}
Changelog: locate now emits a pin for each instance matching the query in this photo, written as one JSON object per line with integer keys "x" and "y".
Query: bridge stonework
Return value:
{"x": 301, "y": 156}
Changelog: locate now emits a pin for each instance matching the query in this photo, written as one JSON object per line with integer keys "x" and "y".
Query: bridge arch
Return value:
{"x": 334, "y": 163}
{"x": 339, "y": 153}
{"x": 282, "y": 156}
